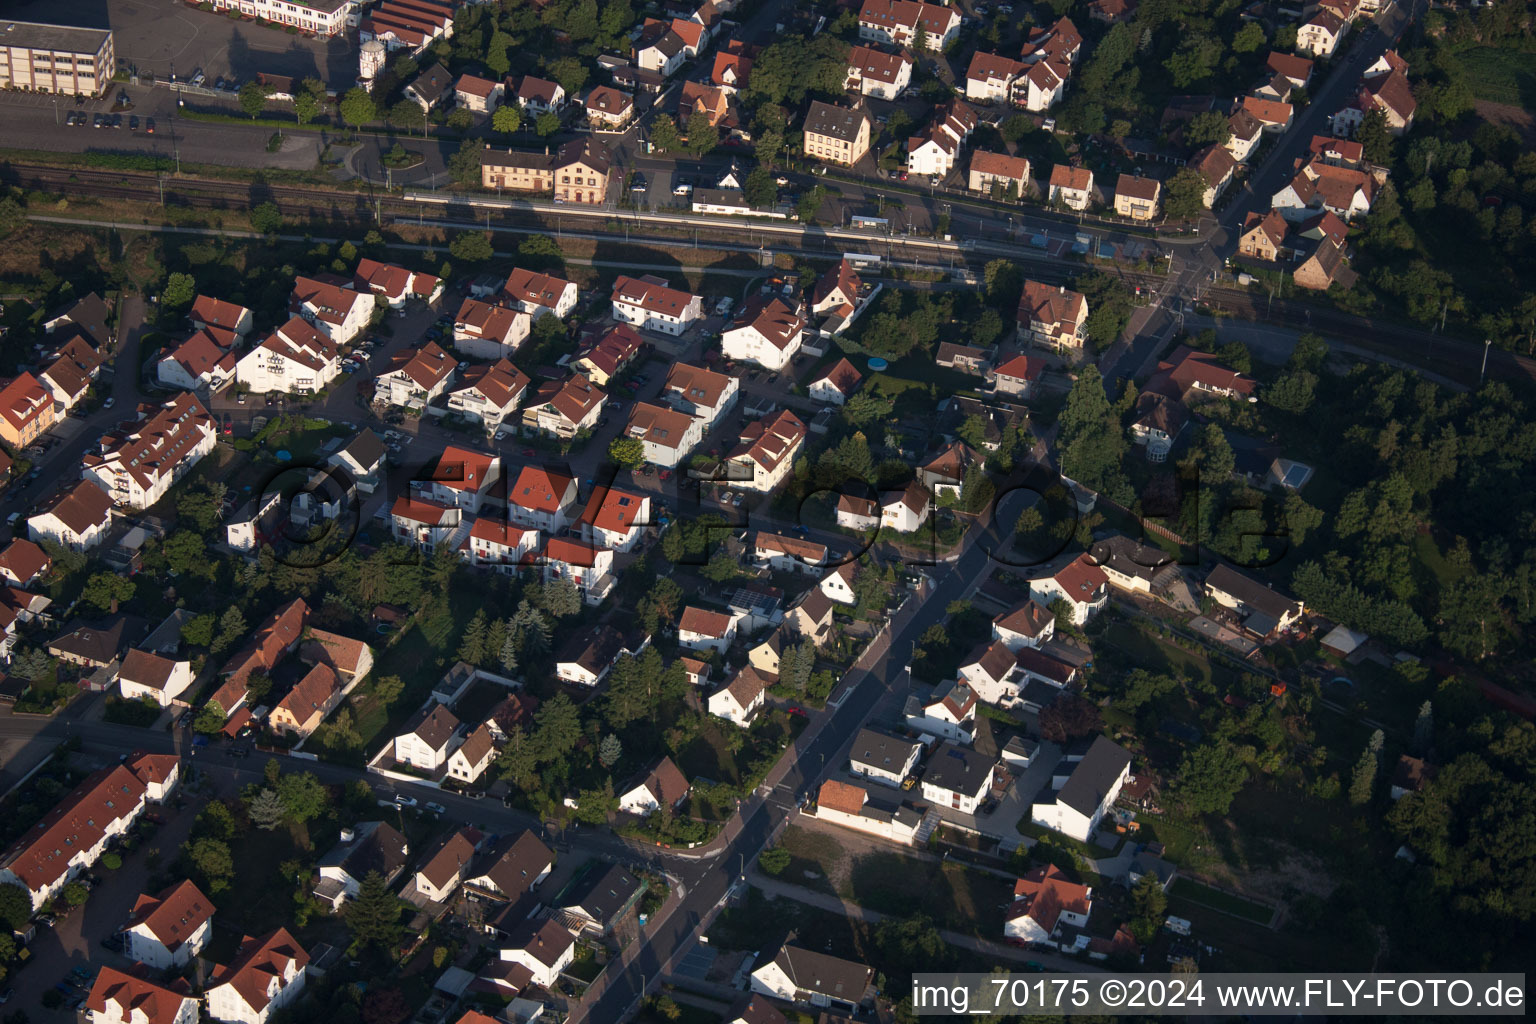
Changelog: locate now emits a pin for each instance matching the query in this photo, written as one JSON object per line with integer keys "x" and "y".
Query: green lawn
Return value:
{"x": 1153, "y": 654}
{"x": 1501, "y": 75}
{"x": 1215, "y": 899}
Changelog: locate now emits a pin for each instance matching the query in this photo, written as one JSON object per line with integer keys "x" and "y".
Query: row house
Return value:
{"x": 395, "y": 284}
{"x": 649, "y": 303}
{"x": 487, "y": 331}
{"x": 411, "y": 25}
{"x": 489, "y": 395}
{"x": 416, "y": 377}
{"x": 1247, "y": 132}
{"x": 612, "y": 354}
{"x": 424, "y": 524}
{"x": 139, "y": 462}
{"x": 542, "y": 498}
{"x": 278, "y": 634}
{"x": 917, "y": 26}
{"x": 494, "y": 543}
{"x": 878, "y": 73}
{"x": 564, "y": 408}
{"x": 296, "y": 359}
{"x": 338, "y": 311}
{"x": 67, "y": 381}
{"x": 660, "y": 50}
{"x": 1390, "y": 93}
{"x": 766, "y": 332}
{"x": 579, "y": 173}
{"x": 615, "y": 518}
{"x": 304, "y": 707}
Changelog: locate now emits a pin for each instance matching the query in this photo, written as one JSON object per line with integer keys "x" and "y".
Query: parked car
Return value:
{"x": 401, "y": 800}
{"x": 109, "y": 403}
{"x": 436, "y": 808}
{"x": 149, "y": 125}
{"x": 133, "y": 123}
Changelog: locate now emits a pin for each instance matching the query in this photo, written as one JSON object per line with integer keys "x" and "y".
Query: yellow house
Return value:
{"x": 306, "y": 705}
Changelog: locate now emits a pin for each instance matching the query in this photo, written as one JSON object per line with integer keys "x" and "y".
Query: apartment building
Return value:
{"x": 296, "y": 358}
{"x": 317, "y": 17}
{"x": 56, "y": 58}
{"x": 838, "y": 135}
{"x": 139, "y": 461}
{"x": 648, "y": 302}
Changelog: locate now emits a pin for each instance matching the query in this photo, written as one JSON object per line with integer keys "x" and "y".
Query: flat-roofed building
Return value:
{"x": 56, "y": 58}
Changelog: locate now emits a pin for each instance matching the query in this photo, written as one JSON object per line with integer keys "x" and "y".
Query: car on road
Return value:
{"x": 219, "y": 82}
{"x": 781, "y": 181}
{"x": 110, "y": 402}
{"x": 436, "y": 808}
{"x": 501, "y": 435}
{"x": 401, "y": 800}
{"x": 637, "y": 182}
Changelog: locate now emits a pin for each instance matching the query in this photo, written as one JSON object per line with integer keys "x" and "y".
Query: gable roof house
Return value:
{"x": 514, "y": 869}
{"x": 463, "y": 477}
{"x": 741, "y": 698}
{"x": 877, "y": 73}
{"x": 1028, "y": 625}
{"x": 1071, "y": 187}
{"x": 296, "y": 358}
{"x": 700, "y": 392}
{"x": 478, "y": 95}
{"x": 837, "y": 384}
{"x": 208, "y": 312}
{"x": 1051, "y": 317}
{"x": 949, "y": 713}
{"x": 1324, "y": 267}
{"x": 278, "y": 634}
{"x": 602, "y": 898}
{"x": 1320, "y": 35}
{"x": 415, "y": 377}
{"x": 1076, "y": 808}
{"x": 78, "y": 518}
{"x": 120, "y": 998}
{"x": 1080, "y": 583}
{"x": 801, "y": 975}
{"x": 426, "y": 738}
{"x": 900, "y": 22}
{"x": 162, "y": 680}
{"x": 1216, "y": 165}
{"x": 26, "y": 410}
{"x": 700, "y": 630}
{"x": 613, "y": 353}
{"x": 859, "y": 808}
{"x": 395, "y": 284}
{"x": 564, "y": 408}
{"x": 1045, "y": 900}
{"x": 1265, "y": 610}
{"x": 882, "y": 757}
{"x": 67, "y": 381}
{"x": 762, "y": 459}
{"x": 998, "y": 174}
{"x": 431, "y": 87}
{"x": 542, "y": 498}
{"x": 447, "y": 864}
{"x": 23, "y": 562}
{"x": 267, "y": 974}
{"x": 199, "y": 362}
{"x": 489, "y": 395}
{"x": 486, "y": 331}
{"x": 614, "y": 518}
{"x": 1128, "y": 563}
{"x": 337, "y": 311}
{"x": 658, "y": 785}
{"x": 906, "y": 510}
{"x": 539, "y": 294}
{"x": 990, "y": 77}
{"x": 170, "y": 928}
{"x": 365, "y": 847}
{"x": 765, "y": 332}
{"x": 649, "y": 303}
{"x": 1263, "y": 235}
{"x": 608, "y": 107}
{"x": 838, "y": 135}
{"x": 139, "y": 461}
{"x": 586, "y": 657}
{"x": 304, "y": 707}
{"x": 544, "y": 947}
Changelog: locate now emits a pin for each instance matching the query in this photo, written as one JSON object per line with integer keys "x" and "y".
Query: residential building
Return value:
{"x": 120, "y": 998}
{"x": 268, "y": 974}
{"x": 766, "y": 453}
{"x": 733, "y": 65}
{"x": 609, "y": 108}
{"x": 1297, "y": 69}
{"x": 1077, "y": 806}
{"x": 1044, "y": 901}
{"x": 1320, "y": 35}
{"x": 614, "y": 518}
{"x": 1388, "y": 92}
{"x": 1060, "y": 43}
{"x": 837, "y": 384}
{"x": 588, "y": 568}
{"x": 516, "y": 171}
{"x": 613, "y": 353}
{"x": 366, "y": 847}
{"x": 1187, "y": 372}
{"x": 56, "y": 59}
{"x": 77, "y": 518}
{"x": 1019, "y": 375}
{"x": 1041, "y": 86}
{"x": 1324, "y": 267}
{"x": 586, "y": 657}
{"x": 488, "y": 395}
{"x": 659, "y": 785}
{"x": 1137, "y": 197}
{"x": 878, "y": 73}
{"x": 516, "y": 867}
{"x": 278, "y": 634}
{"x": 801, "y": 975}
{"x": 539, "y": 95}
{"x": 856, "y": 513}
{"x": 430, "y": 88}
{"x": 648, "y": 303}
{"x": 949, "y": 713}
{"x": 540, "y": 294}
{"x": 702, "y": 630}
{"x": 958, "y": 778}
{"x": 461, "y": 476}
{"x": 998, "y": 175}
{"x": 810, "y": 617}
{"x": 838, "y": 292}
{"x": 85, "y": 318}
{"x": 1274, "y": 115}
{"x": 23, "y": 562}
{"x": 168, "y": 929}
{"x": 1247, "y": 132}
{"x": 486, "y": 331}
{"x": 564, "y": 408}
{"x": 1411, "y": 775}
{"x": 161, "y": 679}
{"x": 905, "y": 510}
{"x": 394, "y": 285}
{"x": 296, "y": 359}
{"x": 304, "y": 707}
{"x": 362, "y": 460}
{"x": 447, "y": 864}
{"x": 350, "y": 659}
{"x": 1263, "y": 235}
{"x": 741, "y": 698}
{"x": 1028, "y": 625}
{"x": 754, "y": 1010}
{"x": 542, "y": 498}
{"x": 882, "y": 757}
{"x": 427, "y": 738}
{"x": 139, "y": 461}
{"x": 416, "y": 377}
{"x": 67, "y": 382}
{"x": 990, "y": 77}
{"x": 582, "y": 170}
{"x": 701, "y": 393}
{"x": 26, "y": 410}
{"x": 1343, "y": 191}
{"x": 544, "y": 947}
{"x": 932, "y": 153}
{"x": 660, "y": 49}
{"x": 917, "y": 26}
{"x": 1264, "y": 610}
{"x": 701, "y": 98}
{"x": 766, "y": 332}
{"x": 1216, "y": 165}
{"x": 965, "y": 358}
{"x": 603, "y": 898}
{"x": 837, "y": 583}
{"x": 1080, "y": 583}
{"x": 945, "y": 472}
{"x": 410, "y": 25}
{"x": 1129, "y": 564}
{"x": 478, "y": 95}
{"x": 838, "y": 135}
{"x": 496, "y": 544}
{"x": 788, "y": 554}
{"x": 858, "y": 808}
{"x": 1071, "y": 187}
{"x": 200, "y": 362}
{"x": 1052, "y": 317}
{"x": 338, "y": 311}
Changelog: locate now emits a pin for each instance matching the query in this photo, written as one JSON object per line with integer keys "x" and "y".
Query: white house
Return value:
{"x": 296, "y": 358}
{"x": 587, "y": 657}
{"x": 362, "y": 460}
{"x": 415, "y": 377}
{"x": 877, "y": 73}
{"x": 837, "y": 385}
{"x": 660, "y": 784}
{"x": 447, "y": 865}
{"x": 542, "y": 498}
{"x": 855, "y": 807}
{"x": 478, "y": 95}
{"x": 587, "y": 567}
{"x": 837, "y": 584}
{"x": 662, "y": 52}
{"x": 497, "y": 544}
{"x": 471, "y": 758}
{"x": 856, "y": 513}
{"x": 615, "y": 519}
{"x": 992, "y": 671}
{"x": 907, "y": 23}
{"x": 882, "y": 757}
{"x": 423, "y": 524}
{"x": 958, "y": 778}
{"x": 427, "y": 739}
{"x": 1080, "y": 583}
{"x": 120, "y": 998}
{"x": 1076, "y": 808}
{"x": 539, "y": 95}
{"x": 395, "y": 284}
{"x": 804, "y": 976}
{"x": 484, "y": 331}
{"x": 740, "y": 699}
{"x": 267, "y": 975}
{"x": 699, "y": 392}
{"x": 906, "y": 510}
{"x": 666, "y": 435}
{"x": 540, "y": 294}
{"x": 765, "y": 332}
{"x": 198, "y": 362}
{"x": 488, "y": 395}
{"x": 788, "y": 554}
{"x": 144, "y": 674}
{"x": 208, "y": 312}
{"x": 77, "y": 519}
{"x": 1028, "y": 625}
{"x": 990, "y": 77}
{"x": 517, "y": 866}
{"x": 1321, "y": 34}
{"x": 545, "y": 947}
{"x": 564, "y": 408}
{"x": 139, "y": 461}
{"x": 1041, "y": 86}
{"x": 365, "y": 847}
{"x": 341, "y": 313}
{"x": 461, "y": 476}
{"x": 648, "y": 302}
{"x": 1043, "y": 901}
{"x": 702, "y": 630}
{"x": 170, "y": 928}
{"x": 766, "y": 453}
{"x": 1072, "y": 187}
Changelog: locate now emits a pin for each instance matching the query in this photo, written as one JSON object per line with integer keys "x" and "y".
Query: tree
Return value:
{"x": 209, "y": 720}
{"x": 231, "y": 628}
{"x": 253, "y": 97}
{"x": 76, "y": 893}
{"x": 303, "y": 796}
{"x": 507, "y": 118}
{"x": 610, "y": 751}
{"x": 1293, "y": 391}
{"x": 408, "y": 115}
{"x": 186, "y": 553}
{"x": 561, "y": 598}
{"x": 472, "y": 643}
{"x": 15, "y": 905}
{"x": 1069, "y": 717}
{"x": 664, "y": 135}
{"x": 1375, "y": 137}
{"x": 105, "y": 590}
{"x": 1424, "y": 728}
{"x": 557, "y": 727}
{"x": 702, "y": 136}
{"x": 627, "y": 452}
{"x": 547, "y": 124}
{"x": 461, "y": 121}
{"x": 1207, "y": 128}
{"x": 759, "y": 188}
{"x": 266, "y": 218}
{"x": 1090, "y": 439}
{"x": 266, "y": 810}
{"x": 471, "y": 247}
{"x": 1184, "y": 196}
{"x": 774, "y": 860}
{"x": 810, "y": 204}
{"x": 358, "y": 108}
{"x": 373, "y": 917}
{"x": 178, "y": 293}
{"x": 211, "y": 859}
{"x": 1148, "y": 905}
{"x": 1248, "y": 38}
{"x": 1363, "y": 781}
{"x": 305, "y": 108}
{"x": 12, "y": 215}
{"x": 387, "y": 689}
{"x": 1210, "y": 776}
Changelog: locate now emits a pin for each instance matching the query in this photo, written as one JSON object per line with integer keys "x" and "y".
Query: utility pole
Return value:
{"x": 1487, "y": 343}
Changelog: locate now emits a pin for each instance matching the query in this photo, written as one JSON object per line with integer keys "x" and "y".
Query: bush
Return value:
{"x": 111, "y": 861}
{"x": 774, "y": 861}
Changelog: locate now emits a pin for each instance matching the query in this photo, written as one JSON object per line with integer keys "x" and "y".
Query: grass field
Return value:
{"x": 1194, "y": 892}
{"x": 1500, "y": 75}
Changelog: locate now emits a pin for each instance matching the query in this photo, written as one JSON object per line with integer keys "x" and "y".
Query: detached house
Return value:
{"x": 427, "y": 738}
{"x": 837, "y": 135}
{"x": 837, "y": 384}
{"x": 366, "y": 847}
{"x": 169, "y": 929}
{"x": 1078, "y": 804}
{"x": 489, "y": 395}
{"x": 949, "y": 713}
{"x": 544, "y": 947}
{"x": 515, "y": 868}
{"x": 587, "y": 657}
{"x": 447, "y": 865}
{"x": 1019, "y": 375}
{"x": 540, "y": 294}
{"x": 998, "y": 175}
{"x": 765, "y": 332}
{"x": 615, "y": 519}
{"x": 659, "y": 785}
{"x": 856, "y": 513}
{"x": 876, "y": 73}
{"x": 958, "y": 778}
{"x": 304, "y": 707}
{"x": 1051, "y": 317}
{"x": 395, "y": 284}
{"x": 1028, "y": 625}
{"x": 882, "y": 757}
{"x": 1080, "y": 583}
{"x": 416, "y": 377}
{"x": 26, "y": 410}
{"x": 613, "y": 353}
{"x": 138, "y": 462}
{"x": 1071, "y": 187}
{"x": 763, "y": 458}
{"x": 609, "y": 108}
{"x": 858, "y": 808}
{"x": 77, "y": 518}
{"x": 296, "y": 358}
{"x": 700, "y": 393}
{"x": 119, "y": 998}
{"x": 485, "y": 331}
{"x": 539, "y": 95}
{"x": 702, "y": 630}
{"x": 430, "y": 88}
{"x": 740, "y": 699}
{"x": 905, "y": 510}
{"x": 542, "y": 498}
{"x": 1044, "y": 900}
{"x": 339, "y": 312}
{"x": 462, "y": 477}
{"x": 209, "y": 312}
{"x": 267, "y": 975}
{"x": 1263, "y": 235}
{"x": 1137, "y": 197}
{"x": 788, "y": 554}
{"x": 198, "y": 362}
{"x": 917, "y": 26}
{"x": 478, "y": 95}
{"x": 1320, "y": 35}
{"x": 648, "y": 303}
{"x": 1264, "y": 609}
{"x": 161, "y": 679}
{"x": 1216, "y": 165}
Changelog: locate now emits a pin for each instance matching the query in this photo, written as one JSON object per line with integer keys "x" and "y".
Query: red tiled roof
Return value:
{"x": 258, "y": 963}
{"x": 1081, "y": 578}
{"x": 173, "y": 915}
{"x": 539, "y": 489}
{"x": 217, "y": 312}
{"x": 42, "y": 854}
{"x": 135, "y": 999}
{"x": 614, "y": 510}
{"x": 704, "y": 622}
{"x": 1066, "y": 176}
{"x": 841, "y": 796}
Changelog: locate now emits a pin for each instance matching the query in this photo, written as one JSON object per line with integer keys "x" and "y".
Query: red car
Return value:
{"x": 665, "y": 474}
{"x": 797, "y": 711}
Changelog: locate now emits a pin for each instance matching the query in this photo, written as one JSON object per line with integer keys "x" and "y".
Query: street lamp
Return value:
{"x": 1487, "y": 342}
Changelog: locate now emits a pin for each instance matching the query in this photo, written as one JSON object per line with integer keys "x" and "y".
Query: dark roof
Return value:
{"x": 434, "y": 725}
{"x": 516, "y": 863}
{"x": 90, "y": 315}
{"x": 594, "y": 648}
{"x": 833, "y": 121}
{"x": 1251, "y": 593}
{"x": 833, "y": 976}
{"x": 881, "y": 749}
{"x": 96, "y": 643}
{"x": 366, "y": 449}
{"x": 1094, "y": 775}
{"x": 604, "y": 894}
{"x": 1042, "y": 664}
{"x": 433, "y": 84}
{"x": 1129, "y": 556}
{"x": 378, "y": 847}
{"x": 958, "y": 769}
